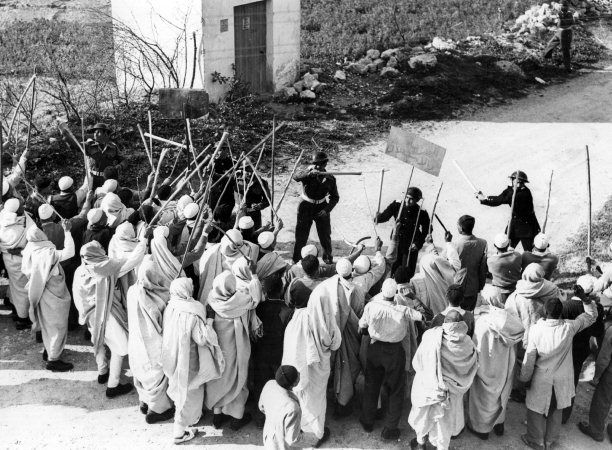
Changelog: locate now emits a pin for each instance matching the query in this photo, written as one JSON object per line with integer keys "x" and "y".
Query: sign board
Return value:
{"x": 415, "y": 150}
{"x": 172, "y": 103}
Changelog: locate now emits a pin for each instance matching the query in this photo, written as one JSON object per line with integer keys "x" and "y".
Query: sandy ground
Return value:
{"x": 546, "y": 131}
{"x": 69, "y": 10}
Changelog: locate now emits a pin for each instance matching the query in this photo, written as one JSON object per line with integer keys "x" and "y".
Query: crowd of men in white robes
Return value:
{"x": 208, "y": 319}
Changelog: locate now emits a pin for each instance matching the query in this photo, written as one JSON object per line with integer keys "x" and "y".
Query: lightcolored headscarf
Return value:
{"x": 116, "y": 211}
{"x": 181, "y": 289}
{"x": 168, "y": 263}
{"x": 269, "y": 264}
{"x": 93, "y": 255}
{"x": 241, "y": 270}
{"x": 438, "y": 276}
{"x": 532, "y": 285}
{"x": 123, "y": 241}
{"x": 224, "y": 287}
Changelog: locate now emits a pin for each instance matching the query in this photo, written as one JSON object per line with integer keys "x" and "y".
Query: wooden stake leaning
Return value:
{"x": 165, "y": 141}
{"x": 21, "y": 98}
{"x": 144, "y": 142}
{"x": 380, "y": 190}
{"x": 272, "y": 164}
{"x": 159, "y": 163}
{"x": 1, "y": 172}
{"x": 548, "y": 201}
{"x": 399, "y": 214}
{"x": 262, "y": 188}
{"x": 590, "y": 218}
{"x": 416, "y": 227}
{"x": 150, "y": 132}
{"x": 433, "y": 211}
{"x": 190, "y": 145}
{"x": 514, "y": 189}
{"x": 297, "y": 162}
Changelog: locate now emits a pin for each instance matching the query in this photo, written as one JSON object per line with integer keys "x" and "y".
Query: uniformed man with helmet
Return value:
{"x": 412, "y": 216}
{"x": 524, "y": 225}
{"x": 319, "y": 197}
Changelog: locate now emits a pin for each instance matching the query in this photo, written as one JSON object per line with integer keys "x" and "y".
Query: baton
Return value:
{"x": 465, "y": 177}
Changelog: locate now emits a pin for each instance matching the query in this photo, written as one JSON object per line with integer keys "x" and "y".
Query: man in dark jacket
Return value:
{"x": 563, "y": 36}
{"x": 411, "y": 228}
{"x": 524, "y": 225}
{"x": 319, "y": 197}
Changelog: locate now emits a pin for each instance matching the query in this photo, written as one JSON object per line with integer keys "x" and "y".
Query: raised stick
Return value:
{"x": 433, "y": 211}
{"x": 590, "y": 223}
{"x": 548, "y": 202}
{"x": 365, "y": 191}
{"x": 159, "y": 163}
{"x": 380, "y": 190}
{"x": 144, "y": 142}
{"x": 150, "y": 132}
{"x": 465, "y": 177}
{"x": 399, "y": 214}
{"x": 514, "y": 189}
{"x": 340, "y": 173}
{"x": 165, "y": 141}
{"x": 416, "y": 227}
{"x": 190, "y": 145}
{"x": 262, "y": 186}
{"x": 1, "y": 151}
{"x": 23, "y": 94}
{"x": 440, "y": 222}
{"x": 186, "y": 169}
{"x": 85, "y": 158}
{"x": 280, "y": 202}
{"x": 272, "y": 164}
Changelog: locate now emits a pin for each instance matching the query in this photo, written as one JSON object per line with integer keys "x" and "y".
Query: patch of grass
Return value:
{"x": 80, "y": 50}
{"x": 350, "y": 27}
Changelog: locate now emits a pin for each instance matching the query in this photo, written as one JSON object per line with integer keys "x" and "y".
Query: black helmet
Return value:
{"x": 522, "y": 176}
{"x": 99, "y": 126}
{"x": 319, "y": 158}
{"x": 415, "y": 193}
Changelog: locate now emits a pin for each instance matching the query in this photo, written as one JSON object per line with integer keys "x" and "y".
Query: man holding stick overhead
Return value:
{"x": 319, "y": 197}
{"x": 523, "y": 226}
{"x": 412, "y": 227}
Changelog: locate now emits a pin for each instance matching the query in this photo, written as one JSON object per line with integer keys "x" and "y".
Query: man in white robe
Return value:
{"x": 191, "y": 356}
{"x": 496, "y": 333}
{"x": 445, "y": 364}
{"x": 47, "y": 293}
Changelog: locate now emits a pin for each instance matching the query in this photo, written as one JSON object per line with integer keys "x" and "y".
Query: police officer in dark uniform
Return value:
{"x": 319, "y": 197}
{"x": 524, "y": 225}
{"x": 412, "y": 217}
{"x": 563, "y": 36}
{"x": 102, "y": 153}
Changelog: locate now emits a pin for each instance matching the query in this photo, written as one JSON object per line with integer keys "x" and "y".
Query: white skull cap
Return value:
{"x": 344, "y": 267}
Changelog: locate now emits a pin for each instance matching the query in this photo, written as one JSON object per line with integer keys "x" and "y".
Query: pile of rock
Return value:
{"x": 538, "y": 19}
{"x": 374, "y": 61}
{"x": 306, "y": 88}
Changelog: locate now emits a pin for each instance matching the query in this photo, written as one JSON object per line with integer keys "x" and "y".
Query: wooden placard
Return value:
{"x": 416, "y": 151}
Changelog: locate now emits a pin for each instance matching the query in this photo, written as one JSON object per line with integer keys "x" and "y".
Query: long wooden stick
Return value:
{"x": 232, "y": 241}
{"x": 433, "y": 211}
{"x": 88, "y": 175}
{"x": 380, "y": 190}
{"x": 262, "y": 187}
{"x": 590, "y": 223}
{"x": 1, "y": 172}
{"x": 144, "y": 142}
{"x": 179, "y": 188}
{"x": 341, "y": 173}
{"x": 297, "y": 162}
{"x": 157, "y": 171}
{"x": 548, "y": 201}
{"x": 21, "y": 98}
{"x": 186, "y": 169}
{"x": 29, "y": 135}
{"x": 416, "y": 227}
{"x": 248, "y": 187}
{"x": 365, "y": 193}
{"x": 440, "y": 222}
{"x": 272, "y": 164}
{"x": 405, "y": 194}
{"x": 165, "y": 141}
{"x": 190, "y": 145}
{"x": 150, "y": 132}
{"x": 514, "y": 189}
{"x": 465, "y": 177}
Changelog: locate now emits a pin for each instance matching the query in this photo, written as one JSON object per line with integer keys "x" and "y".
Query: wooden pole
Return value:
{"x": 272, "y": 164}
{"x": 262, "y": 187}
{"x": 31, "y": 117}
{"x": 165, "y": 141}
{"x": 144, "y": 142}
{"x": 514, "y": 189}
{"x": 280, "y": 202}
{"x": 23, "y": 94}
{"x": 380, "y": 190}
{"x": 416, "y": 227}
{"x": 433, "y": 211}
{"x": 590, "y": 222}
{"x": 405, "y": 194}
{"x": 150, "y": 132}
{"x": 190, "y": 145}
{"x": 88, "y": 176}
{"x": 159, "y": 163}
{"x": 548, "y": 201}
{"x": 440, "y": 222}
{"x": 1, "y": 152}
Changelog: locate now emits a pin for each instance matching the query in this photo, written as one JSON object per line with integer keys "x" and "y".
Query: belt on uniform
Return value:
{"x": 313, "y": 201}
{"x": 98, "y": 174}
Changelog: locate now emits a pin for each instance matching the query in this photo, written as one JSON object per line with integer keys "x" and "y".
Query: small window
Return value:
{"x": 224, "y": 25}
{"x": 246, "y": 23}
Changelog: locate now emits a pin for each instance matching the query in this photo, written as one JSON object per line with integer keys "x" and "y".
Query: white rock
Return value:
{"x": 373, "y": 67}
{"x": 373, "y": 54}
{"x": 316, "y": 70}
{"x": 392, "y": 62}
{"x": 426, "y": 60}
{"x": 309, "y": 79}
{"x": 299, "y": 86}
{"x": 319, "y": 87}
{"x": 308, "y": 95}
{"x": 359, "y": 68}
{"x": 380, "y": 63}
{"x": 389, "y": 53}
{"x": 389, "y": 72}
{"x": 510, "y": 68}
{"x": 340, "y": 75}
{"x": 442, "y": 44}
{"x": 365, "y": 61}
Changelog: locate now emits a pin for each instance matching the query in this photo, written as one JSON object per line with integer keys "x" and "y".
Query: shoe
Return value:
{"x": 236, "y": 424}
{"x": 144, "y": 408}
{"x": 324, "y": 439}
{"x": 188, "y": 435}
{"x": 38, "y": 337}
{"x": 390, "y": 434}
{"x": 23, "y": 324}
{"x": 59, "y": 366}
{"x": 414, "y": 444}
{"x": 45, "y": 355}
{"x": 530, "y": 444}
{"x": 118, "y": 390}
{"x": 219, "y": 420}
{"x": 343, "y": 410}
{"x": 566, "y": 413}
{"x": 609, "y": 430}
{"x": 367, "y": 427}
{"x": 585, "y": 427}
{"x": 153, "y": 417}
{"x": 458, "y": 434}
{"x": 483, "y": 436}
{"x": 103, "y": 379}
{"x": 499, "y": 429}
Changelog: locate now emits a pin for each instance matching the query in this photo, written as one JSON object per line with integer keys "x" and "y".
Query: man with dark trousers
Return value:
{"x": 524, "y": 225}
{"x": 102, "y": 153}
{"x": 412, "y": 217}
{"x": 564, "y": 35}
{"x": 319, "y": 197}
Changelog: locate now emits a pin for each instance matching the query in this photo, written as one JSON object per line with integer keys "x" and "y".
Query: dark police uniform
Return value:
{"x": 524, "y": 225}
{"x": 405, "y": 231}
{"x": 319, "y": 197}
{"x": 101, "y": 157}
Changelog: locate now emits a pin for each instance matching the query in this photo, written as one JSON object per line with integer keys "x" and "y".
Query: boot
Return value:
{"x": 118, "y": 390}
{"x": 219, "y": 420}
{"x": 59, "y": 366}
{"x": 103, "y": 378}
{"x": 499, "y": 429}
{"x": 236, "y": 424}
{"x": 144, "y": 408}
{"x": 324, "y": 439}
{"x": 390, "y": 434}
{"x": 153, "y": 417}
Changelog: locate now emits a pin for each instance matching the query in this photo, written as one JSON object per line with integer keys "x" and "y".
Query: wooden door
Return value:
{"x": 250, "y": 45}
